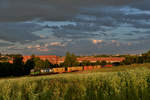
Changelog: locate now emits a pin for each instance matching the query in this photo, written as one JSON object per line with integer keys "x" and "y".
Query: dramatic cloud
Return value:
{"x": 83, "y": 27}
{"x": 56, "y": 44}
{"x": 97, "y": 41}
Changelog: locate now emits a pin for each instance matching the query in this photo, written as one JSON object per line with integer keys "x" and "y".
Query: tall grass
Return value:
{"x": 132, "y": 84}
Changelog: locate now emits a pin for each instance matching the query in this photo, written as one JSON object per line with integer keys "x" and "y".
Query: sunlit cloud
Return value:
{"x": 97, "y": 41}
{"x": 57, "y": 44}
{"x": 29, "y": 47}
{"x": 37, "y": 46}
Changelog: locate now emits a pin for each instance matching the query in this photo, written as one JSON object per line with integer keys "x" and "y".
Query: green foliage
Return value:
{"x": 39, "y": 64}
{"x": 18, "y": 60}
{"x": 18, "y": 65}
{"x": 6, "y": 69}
{"x": 103, "y": 63}
{"x": 98, "y": 63}
{"x": 70, "y": 60}
{"x": 47, "y": 64}
{"x": 29, "y": 65}
{"x": 144, "y": 58}
{"x": 86, "y": 63}
{"x": 15, "y": 69}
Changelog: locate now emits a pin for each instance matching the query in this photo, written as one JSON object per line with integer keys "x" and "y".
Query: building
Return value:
{"x": 95, "y": 59}
{"x": 51, "y": 58}
{"x": 57, "y": 60}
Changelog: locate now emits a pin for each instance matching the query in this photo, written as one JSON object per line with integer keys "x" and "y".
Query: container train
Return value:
{"x": 64, "y": 70}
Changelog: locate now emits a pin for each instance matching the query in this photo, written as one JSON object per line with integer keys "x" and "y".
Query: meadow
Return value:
{"x": 117, "y": 83}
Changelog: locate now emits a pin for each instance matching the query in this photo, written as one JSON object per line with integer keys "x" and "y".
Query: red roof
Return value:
{"x": 52, "y": 58}
{"x": 56, "y": 60}
{"x": 94, "y": 59}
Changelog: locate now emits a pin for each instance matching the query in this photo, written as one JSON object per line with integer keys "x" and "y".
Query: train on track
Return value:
{"x": 64, "y": 69}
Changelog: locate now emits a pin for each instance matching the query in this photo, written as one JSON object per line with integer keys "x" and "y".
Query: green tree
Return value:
{"x": 29, "y": 65}
{"x": 103, "y": 63}
{"x": 129, "y": 60}
{"x": 18, "y": 65}
{"x": 47, "y": 64}
{"x": 67, "y": 61}
{"x": 86, "y": 63}
{"x": 73, "y": 60}
{"x": 39, "y": 64}
{"x": 98, "y": 62}
{"x": 70, "y": 60}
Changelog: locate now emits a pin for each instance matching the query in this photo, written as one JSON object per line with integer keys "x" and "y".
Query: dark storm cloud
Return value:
{"x": 4, "y": 44}
{"x": 141, "y": 4}
{"x": 20, "y": 10}
{"x": 81, "y": 30}
{"x": 15, "y": 32}
{"x": 98, "y": 19}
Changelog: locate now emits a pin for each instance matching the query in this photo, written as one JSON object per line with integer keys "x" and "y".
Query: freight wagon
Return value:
{"x": 62, "y": 69}
{"x": 41, "y": 71}
{"x": 88, "y": 67}
{"x": 45, "y": 71}
{"x": 73, "y": 69}
{"x": 108, "y": 65}
{"x": 97, "y": 67}
{"x": 33, "y": 72}
{"x": 58, "y": 70}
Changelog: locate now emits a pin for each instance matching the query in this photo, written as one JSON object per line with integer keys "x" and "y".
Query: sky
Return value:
{"x": 84, "y": 27}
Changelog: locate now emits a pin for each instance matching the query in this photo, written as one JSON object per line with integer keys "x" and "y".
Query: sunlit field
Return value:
{"x": 116, "y": 83}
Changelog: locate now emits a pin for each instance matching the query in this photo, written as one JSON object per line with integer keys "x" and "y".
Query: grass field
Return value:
{"x": 117, "y": 83}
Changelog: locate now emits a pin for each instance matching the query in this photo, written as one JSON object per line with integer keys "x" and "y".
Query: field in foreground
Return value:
{"x": 118, "y": 83}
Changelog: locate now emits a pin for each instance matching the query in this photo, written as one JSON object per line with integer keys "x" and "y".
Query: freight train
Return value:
{"x": 64, "y": 70}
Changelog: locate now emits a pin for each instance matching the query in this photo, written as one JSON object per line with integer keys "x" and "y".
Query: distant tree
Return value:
{"x": 56, "y": 65}
{"x": 85, "y": 63}
{"x": 39, "y": 64}
{"x": 103, "y": 63}
{"x": 129, "y": 60}
{"x": 33, "y": 56}
{"x": 29, "y": 65}
{"x": 70, "y": 60}
{"x": 146, "y": 57}
{"x": 139, "y": 60}
{"x": 73, "y": 60}
{"x": 67, "y": 61}
{"x": 61, "y": 64}
{"x": 18, "y": 65}
{"x": 98, "y": 62}
{"x": 47, "y": 64}
{"x": 6, "y": 69}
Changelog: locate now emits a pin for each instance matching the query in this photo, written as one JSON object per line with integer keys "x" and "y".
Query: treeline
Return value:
{"x": 15, "y": 69}
{"x": 144, "y": 58}
{"x": 19, "y": 68}
{"x": 71, "y": 60}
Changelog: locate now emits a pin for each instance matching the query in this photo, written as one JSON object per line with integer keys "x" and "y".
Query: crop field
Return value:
{"x": 116, "y": 83}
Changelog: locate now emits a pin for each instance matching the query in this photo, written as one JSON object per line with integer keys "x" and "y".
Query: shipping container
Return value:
{"x": 73, "y": 69}
{"x": 108, "y": 66}
{"x": 58, "y": 70}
